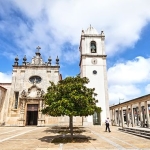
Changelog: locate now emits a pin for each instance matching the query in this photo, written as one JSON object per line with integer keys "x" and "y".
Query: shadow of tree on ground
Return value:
{"x": 66, "y": 130}
{"x": 63, "y": 135}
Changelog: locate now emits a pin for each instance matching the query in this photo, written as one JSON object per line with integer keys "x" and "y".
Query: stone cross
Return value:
{"x": 38, "y": 48}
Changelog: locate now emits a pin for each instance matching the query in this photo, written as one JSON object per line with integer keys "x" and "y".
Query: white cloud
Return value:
{"x": 32, "y": 8}
{"x": 57, "y": 22}
{"x": 50, "y": 24}
{"x": 5, "y": 77}
{"x": 121, "y": 23}
{"x": 123, "y": 93}
{"x": 125, "y": 79}
{"x": 147, "y": 89}
{"x": 132, "y": 71}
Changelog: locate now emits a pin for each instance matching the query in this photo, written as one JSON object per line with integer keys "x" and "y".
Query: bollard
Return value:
{"x": 61, "y": 146}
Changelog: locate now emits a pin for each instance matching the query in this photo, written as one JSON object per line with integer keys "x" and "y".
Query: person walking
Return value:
{"x": 107, "y": 125}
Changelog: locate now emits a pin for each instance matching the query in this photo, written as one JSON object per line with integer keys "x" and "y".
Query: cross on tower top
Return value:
{"x": 38, "y": 48}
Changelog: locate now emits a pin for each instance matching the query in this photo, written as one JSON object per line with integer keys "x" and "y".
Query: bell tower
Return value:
{"x": 93, "y": 66}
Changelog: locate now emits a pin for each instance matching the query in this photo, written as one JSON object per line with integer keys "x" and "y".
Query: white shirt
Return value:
{"x": 107, "y": 121}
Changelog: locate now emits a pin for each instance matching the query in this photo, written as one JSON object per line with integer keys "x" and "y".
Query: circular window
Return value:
{"x": 35, "y": 79}
{"x": 94, "y": 72}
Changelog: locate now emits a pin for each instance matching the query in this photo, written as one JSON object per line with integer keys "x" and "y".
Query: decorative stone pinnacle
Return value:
{"x": 49, "y": 60}
{"x": 16, "y": 59}
{"x": 24, "y": 59}
{"x": 57, "y": 60}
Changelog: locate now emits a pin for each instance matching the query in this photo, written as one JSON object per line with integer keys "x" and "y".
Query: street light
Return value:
{"x": 120, "y": 100}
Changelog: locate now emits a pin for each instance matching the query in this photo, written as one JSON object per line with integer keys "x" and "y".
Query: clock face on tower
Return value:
{"x": 94, "y": 61}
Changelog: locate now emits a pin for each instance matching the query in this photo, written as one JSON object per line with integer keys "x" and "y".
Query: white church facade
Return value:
{"x": 21, "y": 100}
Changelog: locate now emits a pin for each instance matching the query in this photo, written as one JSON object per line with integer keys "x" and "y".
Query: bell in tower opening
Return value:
{"x": 93, "y": 47}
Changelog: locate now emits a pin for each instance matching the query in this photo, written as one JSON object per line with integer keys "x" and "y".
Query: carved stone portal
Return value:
{"x": 33, "y": 92}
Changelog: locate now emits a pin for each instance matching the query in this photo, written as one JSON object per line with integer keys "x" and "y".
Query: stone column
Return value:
{"x": 140, "y": 114}
{"x": 136, "y": 116}
{"x": 119, "y": 117}
{"x": 143, "y": 115}
{"x": 122, "y": 117}
{"x": 147, "y": 114}
{"x": 128, "y": 117}
{"x": 132, "y": 115}
{"x": 111, "y": 116}
{"x": 114, "y": 116}
{"x": 115, "y": 119}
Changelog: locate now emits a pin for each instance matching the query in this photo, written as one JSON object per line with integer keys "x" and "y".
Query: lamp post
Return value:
{"x": 120, "y": 100}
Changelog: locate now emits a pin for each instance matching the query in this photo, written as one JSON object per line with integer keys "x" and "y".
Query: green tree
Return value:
{"x": 70, "y": 97}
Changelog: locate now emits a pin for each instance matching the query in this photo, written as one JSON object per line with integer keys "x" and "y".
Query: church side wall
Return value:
{"x": 4, "y": 94}
{"x": 2, "y": 99}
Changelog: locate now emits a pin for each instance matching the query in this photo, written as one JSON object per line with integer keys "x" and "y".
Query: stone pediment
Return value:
{"x": 32, "y": 92}
{"x": 37, "y": 61}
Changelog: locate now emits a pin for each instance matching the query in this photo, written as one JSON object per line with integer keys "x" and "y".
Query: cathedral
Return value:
{"x": 21, "y": 101}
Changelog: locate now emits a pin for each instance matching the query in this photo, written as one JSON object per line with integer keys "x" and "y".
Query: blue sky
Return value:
{"x": 56, "y": 27}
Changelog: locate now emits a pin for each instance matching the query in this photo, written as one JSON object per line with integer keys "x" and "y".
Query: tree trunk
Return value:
{"x": 71, "y": 126}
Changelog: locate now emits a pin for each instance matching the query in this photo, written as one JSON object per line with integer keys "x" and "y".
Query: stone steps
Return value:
{"x": 138, "y": 132}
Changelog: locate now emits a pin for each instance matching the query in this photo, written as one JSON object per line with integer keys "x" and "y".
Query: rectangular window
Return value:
{"x": 16, "y": 99}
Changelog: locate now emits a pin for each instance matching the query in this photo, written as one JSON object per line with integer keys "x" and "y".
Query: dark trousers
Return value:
{"x": 107, "y": 127}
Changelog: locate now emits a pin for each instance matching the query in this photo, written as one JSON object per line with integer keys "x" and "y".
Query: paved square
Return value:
{"x": 39, "y": 138}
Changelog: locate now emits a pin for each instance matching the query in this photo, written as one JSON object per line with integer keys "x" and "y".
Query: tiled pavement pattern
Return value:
{"x": 38, "y": 138}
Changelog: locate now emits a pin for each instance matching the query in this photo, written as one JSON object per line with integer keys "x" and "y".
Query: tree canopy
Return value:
{"x": 70, "y": 97}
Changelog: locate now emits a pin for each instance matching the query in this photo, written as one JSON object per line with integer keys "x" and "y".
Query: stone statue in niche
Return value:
{"x": 21, "y": 105}
{"x": 29, "y": 90}
{"x": 24, "y": 93}
{"x": 40, "y": 93}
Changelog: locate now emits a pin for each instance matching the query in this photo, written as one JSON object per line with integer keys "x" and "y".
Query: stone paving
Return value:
{"x": 39, "y": 138}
